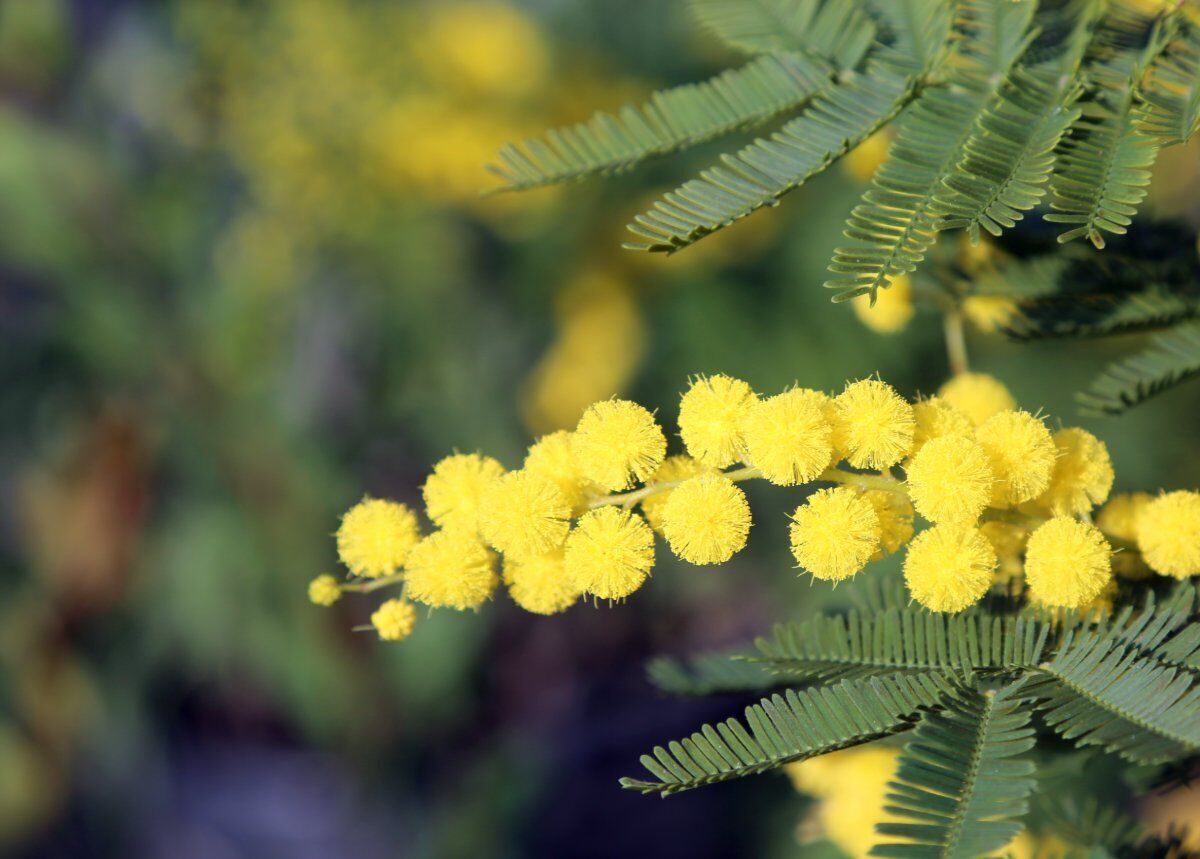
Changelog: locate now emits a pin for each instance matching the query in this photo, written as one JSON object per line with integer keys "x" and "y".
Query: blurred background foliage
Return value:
{"x": 245, "y": 275}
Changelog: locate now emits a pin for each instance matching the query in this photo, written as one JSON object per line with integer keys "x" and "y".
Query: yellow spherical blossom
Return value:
{"x": 618, "y": 442}
{"x": 454, "y": 489}
{"x": 553, "y": 457}
{"x": 610, "y": 553}
{"x": 989, "y": 313}
{"x": 324, "y": 590}
{"x": 710, "y": 419}
{"x": 1022, "y": 455}
{"x": 892, "y": 310}
{"x": 950, "y": 479}
{"x": 485, "y": 49}
{"x": 540, "y": 584}
{"x": 852, "y": 786}
{"x": 674, "y": 469}
{"x": 394, "y": 620}
{"x": 524, "y": 514}
{"x": 1169, "y": 534}
{"x": 934, "y": 417}
{"x": 1067, "y": 563}
{"x": 949, "y": 567}
{"x": 788, "y": 436}
{"x": 376, "y": 536}
{"x": 863, "y": 160}
{"x": 450, "y": 569}
{"x": 895, "y": 513}
{"x": 1119, "y": 519}
{"x": 1082, "y": 475}
{"x": 874, "y": 423}
{"x": 706, "y": 520}
{"x": 977, "y": 395}
{"x": 835, "y": 533}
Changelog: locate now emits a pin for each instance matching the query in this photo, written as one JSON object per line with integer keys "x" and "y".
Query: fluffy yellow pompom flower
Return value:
{"x": 450, "y": 569}
{"x": 788, "y": 436}
{"x": 835, "y": 533}
{"x": 1119, "y": 518}
{"x": 950, "y": 480}
{"x": 949, "y": 567}
{"x": 935, "y": 418}
{"x": 524, "y": 514}
{"x": 376, "y": 536}
{"x": 610, "y": 553}
{"x": 1022, "y": 455}
{"x": 977, "y": 395}
{"x": 674, "y": 468}
{"x": 710, "y": 419}
{"x": 553, "y": 457}
{"x": 394, "y": 620}
{"x": 1067, "y": 563}
{"x": 874, "y": 423}
{"x": 540, "y": 583}
{"x": 1082, "y": 475}
{"x": 895, "y": 514}
{"x": 1169, "y": 534}
{"x": 324, "y": 590}
{"x": 453, "y": 491}
{"x": 892, "y": 310}
{"x": 989, "y": 312}
{"x": 706, "y": 520}
{"x": 618, "y": 442}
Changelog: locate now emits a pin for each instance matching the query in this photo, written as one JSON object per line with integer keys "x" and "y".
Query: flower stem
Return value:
{"x": 956, "y": 341}
{"x": 628, "y": 499}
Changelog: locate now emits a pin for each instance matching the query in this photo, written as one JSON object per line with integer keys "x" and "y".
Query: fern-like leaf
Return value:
{"x": 1102, "y": 315}
{"x": 962, "y": 785}
{"x": 1096, "y": 691}
{"x": 790, "y": 727}
{"x": 1171, "y": 357}
{"x": 1009, "y": 157}
{"x": 708, "y": 673}
{"x": 897, "y": 220}
{"x": 861, "y": 645}
{"x": 671, "y": 120}
{"x": 1172, "y": 91}
{"x": 835, "y": 29}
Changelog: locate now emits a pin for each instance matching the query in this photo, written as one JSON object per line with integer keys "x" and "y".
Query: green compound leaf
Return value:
{"x": 963, "y": 783}
{"x": 709, "y": 673}
{"x": 789, "y": 727}
{"x": 838, "y": 30}
{"x": 1171, "y": 358}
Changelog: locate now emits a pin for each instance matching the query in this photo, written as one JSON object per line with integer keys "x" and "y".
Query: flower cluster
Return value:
{"x": 1007, "y": 501}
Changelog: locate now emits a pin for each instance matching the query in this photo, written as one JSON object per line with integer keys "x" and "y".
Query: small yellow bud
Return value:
{"x": 610, "y": 553}
{"x": 1082, "y": 476}
{"x": 977, "y": 395}
{"x": 711, "y": 414}
{"x": 1119, "y": 518}
{"x": 706, "y": 520}
{"x": 454, "y": 490}
{"x": 949, "y": 567}
{"x": 834, "y": 533}
{"x": 1169, "y": 534}
{"x": 674, "y": 468}
{"x": 553, "y": 457}
{"x": 1067, "y": 563}
{"x": 935, "y": 418}
{"x": 394, "y": 620}
{"x": 376, "y": 536}
{"x": 895, "y": 514}
{"x": 788, "y": 436}
{"x": 950, "y": 480}
{"x": 540, "y": 583}
{"x": 524, "y": 514}
{"x": 450, "y": 569}
{"x": 874, "y": 423}
{"x": 1022, "y": 455}
{"x": 618, "y": 442}
{"x": 324, "y": 590}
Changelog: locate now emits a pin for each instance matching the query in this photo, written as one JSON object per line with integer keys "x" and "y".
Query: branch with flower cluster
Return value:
{"x": 1004, "y": 497}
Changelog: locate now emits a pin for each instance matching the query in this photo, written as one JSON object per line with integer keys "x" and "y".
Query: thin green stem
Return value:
{"x": 866, "y": 481}
{"x": 628, "y": 499}
{"x": 373, "y": 584}
{"x": 956, "y": 341}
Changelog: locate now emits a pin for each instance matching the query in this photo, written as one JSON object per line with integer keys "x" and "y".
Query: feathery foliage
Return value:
{"x": 964, "y": 781}
{"x": 840, "y": 31}
{"x": 1172, "y": 91}
{"x": 708, "y": 673}
{"x": 789, "y": 727}
{"x": 1171, "y": 357}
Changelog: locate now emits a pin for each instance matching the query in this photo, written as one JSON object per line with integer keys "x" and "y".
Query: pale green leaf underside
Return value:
{"x": 835, "y": 29}
{"x": 1170, "y": 358}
